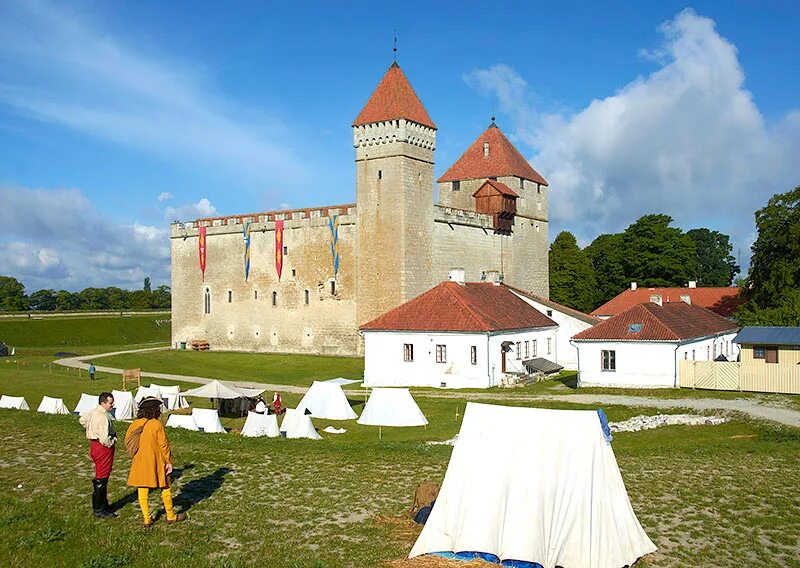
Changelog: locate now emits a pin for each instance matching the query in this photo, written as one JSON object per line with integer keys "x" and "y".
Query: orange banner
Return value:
{"x": 201, "y": 245}
{"x": 279, "y": 247}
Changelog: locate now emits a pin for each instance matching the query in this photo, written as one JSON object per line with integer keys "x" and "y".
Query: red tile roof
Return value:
{"x": 503, "y": 160}
{"x": 394, "y": 98}
{"x": 723, "y": 301}
{"x": 472, "y": 307}
{"x": 670, "y": 322}
{"x": 577, "y": 314}
{"x": 501, "y": 187}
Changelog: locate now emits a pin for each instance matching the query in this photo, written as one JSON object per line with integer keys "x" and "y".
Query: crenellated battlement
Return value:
{"x": 393, "y": 131}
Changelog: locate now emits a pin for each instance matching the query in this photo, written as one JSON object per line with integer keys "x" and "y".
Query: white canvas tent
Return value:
{"x": 534, "y": 485}
{"x": 124, "y": 406}
{"x": 258, "y": 425}
{"x": 86, "y": 403}
{"x": 218, "y": 389}
{"x": 391, "y": 407}
{"x": 51, "y": 405}
{"x": 207, "y": 420}
{"x": 172, "y": 396}
{"x": 326, "y": 400}
{"x": 14, "y": 402}
{"x": 341, "y": 381}
{"x": 185, "y": 421}
{"x": 298, "y": 425}
{"x": 144, "y": 392}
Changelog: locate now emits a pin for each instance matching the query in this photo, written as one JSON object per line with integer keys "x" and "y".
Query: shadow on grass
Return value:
{"x": 201, "y": 488}
{"x": 569, "y": 381}
{"x": 131, "y": 496}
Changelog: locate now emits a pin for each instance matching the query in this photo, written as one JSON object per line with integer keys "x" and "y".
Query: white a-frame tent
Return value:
{"x": 124, "y": 406}
{"x": 327, "y": 400}
{"x": 51, "y": 405}
{"x": 391, "y": 407}
{"x": 258, "y": 425}
{"x": 14, "y": 402}
{"x": 534, "y": 485}
{"x": 86, "y": 403}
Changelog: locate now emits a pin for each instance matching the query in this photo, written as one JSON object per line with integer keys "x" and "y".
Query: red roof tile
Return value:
{"x": 473, "y": 307}
{"x": 577, "y": 314}
{"x": 670, "y": 322}
{"x": 723, "y": 301}
{"x": 503, "y": 160}
{"x": 394, "y": 98}
{"x": 501, "y": 187}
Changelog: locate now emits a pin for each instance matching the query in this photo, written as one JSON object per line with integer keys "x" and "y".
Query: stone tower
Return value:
{"x": 394, "y": 139}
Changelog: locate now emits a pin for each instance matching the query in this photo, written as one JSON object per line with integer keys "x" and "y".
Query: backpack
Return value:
{"x": 132, "y": 441}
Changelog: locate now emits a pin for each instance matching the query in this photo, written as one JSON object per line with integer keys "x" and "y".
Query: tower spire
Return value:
{"x": 394, "y": 49}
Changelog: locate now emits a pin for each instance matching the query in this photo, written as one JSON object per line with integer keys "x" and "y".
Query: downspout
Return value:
{"x": 489, "y": 360}
{"x": 578, "y": 383}
{"x": 675, "y": 363}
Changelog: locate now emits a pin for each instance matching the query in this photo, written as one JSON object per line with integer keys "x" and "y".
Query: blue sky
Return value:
{"x": 116, "y": 118}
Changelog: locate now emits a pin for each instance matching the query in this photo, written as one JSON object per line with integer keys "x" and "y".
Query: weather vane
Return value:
{"x": 394, "y": 49}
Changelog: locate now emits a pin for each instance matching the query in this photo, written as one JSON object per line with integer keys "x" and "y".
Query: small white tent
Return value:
{"x": 534, "y": 485}
{"x": 298, "y": 425}
{"x": 185, "y": 421}
{"x": 124, "y": 405}
{"x": 207, "y": 420}
{"x": 14, "y": 402}
{"x": 144, "y": 392}
{"x": 86, "y": 403}
{"x": 391, "y": 407}
{"x": 172, "y": 396}
{"x": 51, "y": 405}
{"x": 326, "y": 400}
{"x": 258, "y": 425}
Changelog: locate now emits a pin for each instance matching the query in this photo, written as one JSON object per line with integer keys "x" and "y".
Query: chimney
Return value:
{"x": 493, "y": 276}
{"x": 686, "y": 298}
{"x": 633, "y": 286}
{"x": 485, "y": 149}
{"x": 456, "y": 275}
{"x": 656, "y": 299}
{"x": 692, "y": 283}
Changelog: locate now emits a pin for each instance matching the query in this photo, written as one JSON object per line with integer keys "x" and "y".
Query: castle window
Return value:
{"x": 538, "y": 188}
{"x": 456, "y": 185}
{"x": 285, "y": 250}
{"x": 473, "y": 355}
{"x": 493, "y": 178}
{"x": 408, "y": 352}
{"x": 522, "y": 183}
{"x": 380, "y": 174}
{"x": 255, "y": 294}
{"x": 333, "y": 287}
{"x": 441, "y": 354}
{"x": 207, "y": 301}
{"x": 230, "y": 296}
{"x": 294, "y": 272}
{"x": 307, "y": 297}
{"x": 274, "y": 298}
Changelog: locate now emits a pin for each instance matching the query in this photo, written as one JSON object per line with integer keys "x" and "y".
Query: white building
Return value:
{"x": 641, "y": 346}
{"x": 457, "y": 335}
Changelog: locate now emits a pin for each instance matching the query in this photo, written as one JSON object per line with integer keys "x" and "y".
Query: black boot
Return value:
{"x": 97, "y": 500}
{"x": 104, "y": 497}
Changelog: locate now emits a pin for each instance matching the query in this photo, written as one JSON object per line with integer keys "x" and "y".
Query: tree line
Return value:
{"x": 652, "y": 253}
{"x": 13, "y": 298}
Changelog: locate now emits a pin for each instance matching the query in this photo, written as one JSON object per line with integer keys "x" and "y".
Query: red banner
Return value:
{"x": 201, "y": 244}
{"x": 279, "y": 247}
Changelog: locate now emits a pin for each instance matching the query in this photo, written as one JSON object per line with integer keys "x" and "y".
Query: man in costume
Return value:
{"x": 102, "y": 443}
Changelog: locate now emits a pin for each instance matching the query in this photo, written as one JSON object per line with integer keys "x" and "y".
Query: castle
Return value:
{"x": 304, "y": 280}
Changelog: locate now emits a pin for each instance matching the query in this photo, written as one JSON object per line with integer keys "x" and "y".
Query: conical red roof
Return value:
{"x": 503, "y": 160}
{"x": 394, "y": 98}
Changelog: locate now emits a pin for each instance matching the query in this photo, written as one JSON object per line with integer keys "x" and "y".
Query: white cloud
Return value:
{"x": 687, "y": 140}
{"x": 190, "y": 211}
{"x": 58, "y": 239}
{"x": 164, "y": 196}
{"x": 62, "y": 67}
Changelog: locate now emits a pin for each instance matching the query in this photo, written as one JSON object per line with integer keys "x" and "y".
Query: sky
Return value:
{"x": 117, "y": 118}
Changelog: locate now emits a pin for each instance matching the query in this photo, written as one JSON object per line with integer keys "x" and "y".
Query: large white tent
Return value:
{"x": 185, "y": 421}
{"x": 258, "y": 425}
{"x": 14, "y": 402}
{"x": 86, "y": 403}
{"x": 207, "y": 420}
{"x": 326, "y": 400}
{"x": 144, "y": 392}
{"x": 296, "y": 424}
{"x": 391, "y": 407}
{"x": 534, "y": 485}
{"x": 218, "y": 389}
{"x": 124, "y": 406}
{"x": 51, "y": 405}
{"x": 341, "y": 381}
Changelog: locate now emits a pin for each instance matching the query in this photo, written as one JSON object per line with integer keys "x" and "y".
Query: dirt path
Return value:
{"x": 749, "y": 406}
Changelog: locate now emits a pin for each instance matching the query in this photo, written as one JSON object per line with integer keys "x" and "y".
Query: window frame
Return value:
{"x": 549, "y": 345}
{"x": 441, "y": 353}
{"x": 762, "y": 349}
{"x": 534, "y": 348}
{"x": 608, "y": 360}
{"x": 473, "y": 354}
{"x": 408, "y": 352}
{"x": 519, "y": 350}
{"x": 207, "y": 302}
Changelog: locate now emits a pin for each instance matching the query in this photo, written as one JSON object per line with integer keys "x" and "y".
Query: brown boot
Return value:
{"x": 178, "y": 518}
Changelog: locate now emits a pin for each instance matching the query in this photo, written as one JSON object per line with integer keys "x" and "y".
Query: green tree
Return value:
{"x": 774, "y": 279}
{"x": 655, "y": 254}
{"x": 43, "y": 301}
{"x": 162, "y": 297}
{"x": 146, "y": 287}
{"x": 572, "y": 280}
{"x": 716, "y": 265}
{"x": 605, "y": 254}
{"x": 140, "y": 300}
{"x": 66, "y": 301}
{"x": 94, "y": 299}
{"x": 12, "y": 295}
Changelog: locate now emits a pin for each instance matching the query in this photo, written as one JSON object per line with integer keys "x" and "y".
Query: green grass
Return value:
{"x": 299, "y": 370}
{"x": 75, "y": 334}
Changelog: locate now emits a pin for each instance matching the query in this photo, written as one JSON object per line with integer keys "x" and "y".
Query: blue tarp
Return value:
{"x": 471, "y": 555}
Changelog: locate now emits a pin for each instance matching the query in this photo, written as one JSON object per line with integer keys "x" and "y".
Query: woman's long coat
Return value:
{"x": 148, "y": 467}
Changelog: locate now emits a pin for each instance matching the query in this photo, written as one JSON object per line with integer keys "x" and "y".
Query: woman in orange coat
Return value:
{"x": 151, "y": 466}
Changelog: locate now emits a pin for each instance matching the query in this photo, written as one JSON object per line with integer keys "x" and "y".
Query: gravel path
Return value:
{"x": 749, "y": 406}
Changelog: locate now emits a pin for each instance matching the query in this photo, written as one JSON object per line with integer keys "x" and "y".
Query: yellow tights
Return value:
{"x": 166, "y": 496}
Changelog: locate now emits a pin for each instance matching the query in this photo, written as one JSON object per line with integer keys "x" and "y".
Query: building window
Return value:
{"x": 771, "y": 355}
{"x": 380, "y": 174}
{"x": 441, "y": 354}
{"x": 549, "y": 313}
{"x": 527, "y": 350}
{"x": 255, "y": 294}
{"x": 294, "y": 272}
{"x": 609, "y": 360}
{"x": 274, "y": 298}
{"x": 685, "y": 355}
{"x": 456, "y": 185}
{"x": 759, "y": 353}
{"x": 207, "y": 301}
{"x": 522, "y": 183}
{"x": 519, "y": 350}
{"x": 549, "y": 345}
{"x": 333, "y": 287}
{"x": 708, "y": 352}
{"x": 692, "y": 354}
{"x": 307, "y": 297}
{"x": 408, "y": 352}
{"x": 715, "y": 350}
{"x": 538, "y": 188}
{"x": 230, "y": 296}
{"x": 534, "y": 347}
{"x": 473, "y": 355}
{"x": 285, "y": 250}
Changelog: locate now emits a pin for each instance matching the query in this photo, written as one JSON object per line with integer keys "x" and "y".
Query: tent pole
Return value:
{"x": 380, "y": 433}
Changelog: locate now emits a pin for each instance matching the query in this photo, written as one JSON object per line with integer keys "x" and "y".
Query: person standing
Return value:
{"x": 151, "y": 465}
{"x": 277, "y": 403}
{"x": 92, "y": 371}
{"x": 102, "y": 443}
